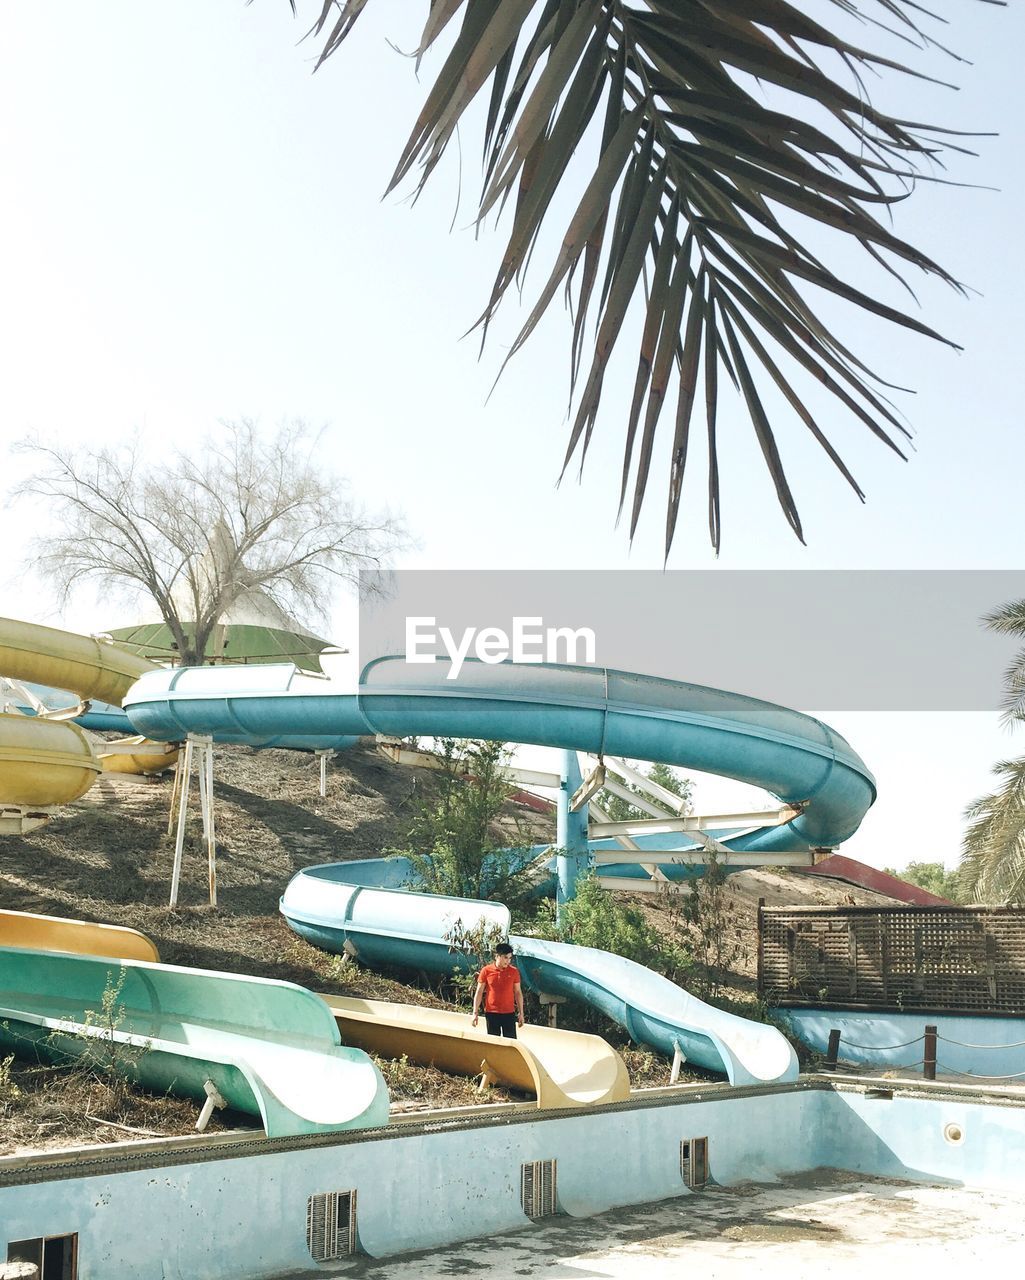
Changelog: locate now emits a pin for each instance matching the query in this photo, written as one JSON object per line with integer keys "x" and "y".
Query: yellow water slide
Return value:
{"x": 80, "y": 937}
{"x": 47, "y": 761}
{"x": 136, "y": 755}
{"x": 561, "y": 1068}
{"x": 87, "y": 665}
{"x": 43, "y": 762}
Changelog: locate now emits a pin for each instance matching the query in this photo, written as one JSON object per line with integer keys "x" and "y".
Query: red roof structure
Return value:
{"x": 837, "y": 867}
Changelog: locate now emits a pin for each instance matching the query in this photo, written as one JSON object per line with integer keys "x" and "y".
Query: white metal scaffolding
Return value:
{"x": 199, "y": 751}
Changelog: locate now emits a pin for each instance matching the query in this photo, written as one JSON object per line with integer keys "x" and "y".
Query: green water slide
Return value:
{"x": 271, "y": 1049}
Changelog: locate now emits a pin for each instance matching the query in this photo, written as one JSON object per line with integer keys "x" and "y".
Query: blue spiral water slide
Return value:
{"x": 796, "y": 758}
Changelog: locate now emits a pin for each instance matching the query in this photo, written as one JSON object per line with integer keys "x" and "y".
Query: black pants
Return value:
{"x": 501, "y": 1024}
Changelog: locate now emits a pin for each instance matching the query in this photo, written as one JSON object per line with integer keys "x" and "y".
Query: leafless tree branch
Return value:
{"x": 197, "y": 532}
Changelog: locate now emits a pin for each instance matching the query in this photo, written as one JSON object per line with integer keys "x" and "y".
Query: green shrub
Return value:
{"x": 9, "y": 1091}
{"x": 476, "y": 946}
{"x": 99, "y": 1051}
{"x": 595, "y": 918}
{"x": 454, "y": 845}
{"x": 717, "y": 931}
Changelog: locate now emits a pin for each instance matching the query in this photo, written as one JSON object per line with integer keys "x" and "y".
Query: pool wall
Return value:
{"x": 238, "y": 1208}
{"x": 945, "y": 1138}
{"x": 983, "y": 1047}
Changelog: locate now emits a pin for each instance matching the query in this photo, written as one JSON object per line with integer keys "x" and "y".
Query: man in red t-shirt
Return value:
{"x": 503, "y": 1004}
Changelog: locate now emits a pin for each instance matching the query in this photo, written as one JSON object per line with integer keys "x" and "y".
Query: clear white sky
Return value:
{"x": 193, "y": 230}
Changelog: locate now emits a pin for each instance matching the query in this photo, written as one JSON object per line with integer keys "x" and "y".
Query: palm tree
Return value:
{"x": 724, "y": 134}
{"x": 992, "y": 864}
{"x": 992, "y": 867}
{"x": 1009, "y": 620}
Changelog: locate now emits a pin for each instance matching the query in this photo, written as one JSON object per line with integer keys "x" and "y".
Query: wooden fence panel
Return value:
{"x": 951, "y": 959}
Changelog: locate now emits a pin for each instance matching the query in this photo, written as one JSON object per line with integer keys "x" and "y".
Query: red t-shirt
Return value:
{"x": 499, "y": 984}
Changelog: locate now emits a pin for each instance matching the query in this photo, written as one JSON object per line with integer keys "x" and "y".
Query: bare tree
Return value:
{"x": 198, "y": 532}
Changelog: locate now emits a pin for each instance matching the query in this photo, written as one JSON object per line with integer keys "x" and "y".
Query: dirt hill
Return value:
{"x": 108, "y": 858}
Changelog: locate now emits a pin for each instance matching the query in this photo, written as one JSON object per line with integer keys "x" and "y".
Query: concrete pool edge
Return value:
{"x": 147, "y": 1153}
{"x": 159, "y": 1152}
{"x": 238, "y": 1205}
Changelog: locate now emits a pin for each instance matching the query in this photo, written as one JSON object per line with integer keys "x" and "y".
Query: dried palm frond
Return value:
{"x": 722, "y": 131}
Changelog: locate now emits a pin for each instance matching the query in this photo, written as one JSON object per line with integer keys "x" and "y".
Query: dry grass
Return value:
{"x": 413, "y": 1087}
{"x": 47, "y": 1106}
{"x": 108, "y": 858}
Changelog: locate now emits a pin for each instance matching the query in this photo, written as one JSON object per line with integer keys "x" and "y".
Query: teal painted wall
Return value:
{"x": 984, "y": 1047}
{"x": 904, "y": 1137}
{"x": 245, "y": 1216}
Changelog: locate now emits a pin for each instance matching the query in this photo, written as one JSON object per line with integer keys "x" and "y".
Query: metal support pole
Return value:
{"x": 185, "y": 765}
{"x": 323, "y": 773}
{"x": 213, "y": 832}
{"x": 679, "y": 1058}
{"x": 206, "y": 801}
{"x": 213, "y": 1099}
{"x": 552, "y": 1003}
{"x": 832, "y": 1049}
{"x": 929, "y": 1056}
{"x": 574, "y": 854}
{"x": 175, "y": 792}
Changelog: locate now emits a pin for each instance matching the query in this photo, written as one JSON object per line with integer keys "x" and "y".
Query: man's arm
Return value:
{"x": 476, "y": 1001}
{"x": 518, "y": 996}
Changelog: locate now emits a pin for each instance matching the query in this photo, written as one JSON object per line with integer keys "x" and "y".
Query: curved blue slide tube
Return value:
{"x": 793, "y": 756}
{"x": 361, "y": 906}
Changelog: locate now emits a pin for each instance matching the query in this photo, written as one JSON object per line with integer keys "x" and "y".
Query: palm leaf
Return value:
{"x": 626, "y": 259}
{"x": 664, "y": 287}
{"x": 716, "y": 187}
{"x": 1009, "y": 619}
{"x": 711, "y": 403}
{"x": 992, "y": 867}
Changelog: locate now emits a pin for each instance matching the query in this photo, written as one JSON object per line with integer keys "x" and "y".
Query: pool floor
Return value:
{"x": 826, "y": 1222}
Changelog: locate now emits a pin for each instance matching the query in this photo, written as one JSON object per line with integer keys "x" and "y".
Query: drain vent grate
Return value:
{"x": 694, "y": 1162}
{"x": 538, "y": 1188}
{"x": 331, "y": 1225}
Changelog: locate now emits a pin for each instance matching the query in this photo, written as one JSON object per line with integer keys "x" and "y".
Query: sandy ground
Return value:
{"x": 822, "y": 1224}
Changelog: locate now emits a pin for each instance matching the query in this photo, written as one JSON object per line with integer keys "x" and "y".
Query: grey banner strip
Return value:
{"x": 846, "y": 640}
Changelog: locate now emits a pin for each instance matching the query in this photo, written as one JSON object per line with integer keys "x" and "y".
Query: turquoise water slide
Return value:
{"x": 268, "y": 1048}
{"x": 104, "y": 717}
{"x": 362, "y": 907}
{"x": 797, "y": 758}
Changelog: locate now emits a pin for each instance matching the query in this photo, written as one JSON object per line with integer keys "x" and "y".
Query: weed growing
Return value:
{"x": 596, "y": 918}
{"x": 9, "y": 1091}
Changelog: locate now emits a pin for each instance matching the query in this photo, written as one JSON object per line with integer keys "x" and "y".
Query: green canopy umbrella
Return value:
{"x": 234, "y": 642}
